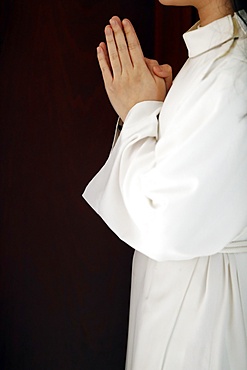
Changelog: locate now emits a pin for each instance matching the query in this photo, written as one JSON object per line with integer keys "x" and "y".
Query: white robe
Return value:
{"x": 175, "y": 189}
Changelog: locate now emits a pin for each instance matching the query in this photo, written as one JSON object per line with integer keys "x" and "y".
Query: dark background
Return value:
{"x": 65, "y": 277}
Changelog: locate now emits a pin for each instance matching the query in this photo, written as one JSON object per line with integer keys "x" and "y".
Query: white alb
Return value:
{"x": 175, "y": 189}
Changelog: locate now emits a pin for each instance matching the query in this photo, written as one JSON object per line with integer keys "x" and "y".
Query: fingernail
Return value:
{"x": 99, "y": 50}
{"x": 113, "y": 22}
{"x": 158, "y": 68}
{"x": 108, "y": 30}
{"x": 125, "y": 22}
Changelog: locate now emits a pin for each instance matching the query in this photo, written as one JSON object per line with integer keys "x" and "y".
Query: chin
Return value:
{"x": 176, "y": 2}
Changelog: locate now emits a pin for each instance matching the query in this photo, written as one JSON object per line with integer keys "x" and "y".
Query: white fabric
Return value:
{"x": 174, "y": 186}
{"x": 238, "y": 246}
{"x": 188, "y": 315}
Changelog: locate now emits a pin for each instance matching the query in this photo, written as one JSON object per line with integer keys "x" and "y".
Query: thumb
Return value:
{"x": 164, "y": 71}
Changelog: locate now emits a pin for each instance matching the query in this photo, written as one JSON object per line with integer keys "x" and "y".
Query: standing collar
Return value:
{"x": 202, "y": 39}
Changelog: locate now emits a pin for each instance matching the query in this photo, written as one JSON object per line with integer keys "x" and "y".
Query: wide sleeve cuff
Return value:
{"x": 142, "y": 120}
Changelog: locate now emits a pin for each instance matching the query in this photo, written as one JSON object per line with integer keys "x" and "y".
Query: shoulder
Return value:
{"x": 228, "y": 76}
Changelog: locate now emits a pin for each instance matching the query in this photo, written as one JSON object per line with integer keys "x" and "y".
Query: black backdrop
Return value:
{"x": 64, "y": 276}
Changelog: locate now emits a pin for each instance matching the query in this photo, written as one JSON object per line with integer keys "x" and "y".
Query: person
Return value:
{"x": 174, "y": 188}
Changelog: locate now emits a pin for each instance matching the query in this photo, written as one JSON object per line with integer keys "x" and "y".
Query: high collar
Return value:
{"x": 202, "y": 39}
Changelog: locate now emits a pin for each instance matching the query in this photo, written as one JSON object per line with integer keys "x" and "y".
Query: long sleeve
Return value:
{"x": 182, "y": 195}
{"x": 175, "y": 184}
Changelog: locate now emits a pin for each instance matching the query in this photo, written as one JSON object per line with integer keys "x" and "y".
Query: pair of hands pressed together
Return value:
{"x": 129, "y": 77}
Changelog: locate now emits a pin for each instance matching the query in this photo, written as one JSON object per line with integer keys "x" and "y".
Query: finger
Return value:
{"x": 118, "y": 20}
{"x": 169, "y": 78}
{"x": 104, "y": 66}
{"x": 112, "y": 51}
{"x": 104, "y": 48}
{"x": 134, "y": 46}
{"x": 164, "y": 71}
{"x": 121, "y": 44}
{"x": 151, "y": 63}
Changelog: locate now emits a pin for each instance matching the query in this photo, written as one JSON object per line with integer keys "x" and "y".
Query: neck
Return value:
{"x": 210, "y": 11}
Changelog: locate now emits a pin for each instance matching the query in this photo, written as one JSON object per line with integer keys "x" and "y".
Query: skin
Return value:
{"x": 129, "y": 77}
{"x": 208, "y": 10}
